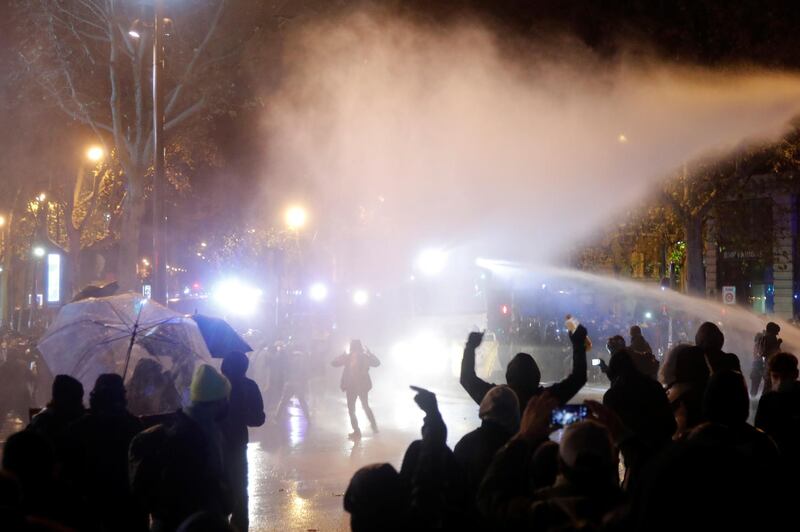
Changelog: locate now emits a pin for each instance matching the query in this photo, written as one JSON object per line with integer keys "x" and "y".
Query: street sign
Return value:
{"x": 729, "y": 295}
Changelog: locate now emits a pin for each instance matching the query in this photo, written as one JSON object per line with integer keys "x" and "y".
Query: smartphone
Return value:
{"x": 596, "y": 361}
{"x": 568, "y": 414}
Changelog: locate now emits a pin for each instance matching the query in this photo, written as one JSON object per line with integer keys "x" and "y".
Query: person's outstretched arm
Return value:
{"x": 566, "y": 389}
{"x": 476, "y": 387}
{"x": 374, "y": 362}
{"x": 339, "y": 361}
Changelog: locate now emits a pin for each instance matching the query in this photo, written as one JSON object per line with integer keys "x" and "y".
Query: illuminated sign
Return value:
{"x": 53, "y": 278}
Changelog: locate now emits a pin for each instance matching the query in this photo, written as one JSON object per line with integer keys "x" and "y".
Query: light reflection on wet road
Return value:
{"x": 299, "y": 470}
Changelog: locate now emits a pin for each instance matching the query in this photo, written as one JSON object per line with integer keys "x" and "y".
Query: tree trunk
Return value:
{"x": 73, "y": 268}
{"x": 132, "y": 219}
{"x": 695, "y": 273}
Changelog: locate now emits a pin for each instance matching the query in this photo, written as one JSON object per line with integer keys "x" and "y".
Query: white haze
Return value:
{"x": 508, "y": 151}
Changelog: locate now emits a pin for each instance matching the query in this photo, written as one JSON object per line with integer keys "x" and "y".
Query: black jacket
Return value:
{"x": 565, "y": 390}
{"x": 475, "y": 452}
{"x": 96, "y": 465}
{"x": 245, "y": 409}
{"x": 173, "y": 475}
{"x": 778, "y": 415}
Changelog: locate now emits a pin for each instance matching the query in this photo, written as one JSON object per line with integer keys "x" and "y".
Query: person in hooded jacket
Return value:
{"x": 523, "y": 375}
{"x": 499, "y": 414}
{"x": 96, "y": 457}
{"x": 684, "y": 375}
{"x": 767, "y": 345}
{"x": 642, "y": 405}
{"x": 638, "y": 342}
{"x": 43, "y": 497}
{"x": 778, "y": 411}
{"x": 377, "y": 499}
{"x": 356, "y": 382}
{"x": 727, "y": 403}
{"x": 435, "y": 479}
{"x": 709, "y": 339}
{"x": 64, "y": 408}
{"x": 245, "y": 409}
{"x": 177, "y": 469}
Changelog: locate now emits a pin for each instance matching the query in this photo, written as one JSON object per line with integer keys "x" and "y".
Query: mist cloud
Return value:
{"x": 453, "y": 136}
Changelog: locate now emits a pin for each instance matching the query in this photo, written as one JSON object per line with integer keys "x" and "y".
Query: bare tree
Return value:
{"x": 88, "y": 62}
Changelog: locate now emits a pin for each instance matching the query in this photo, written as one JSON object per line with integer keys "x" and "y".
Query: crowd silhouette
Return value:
{"x": 669, "y": 447}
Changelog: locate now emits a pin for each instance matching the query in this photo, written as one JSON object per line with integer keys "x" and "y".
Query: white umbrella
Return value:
{"x": 113, "y": 334}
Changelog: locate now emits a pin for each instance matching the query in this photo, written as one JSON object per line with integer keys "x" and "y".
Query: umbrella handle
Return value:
{"x": 133, "y": 339}
{"x": 128, "y": 354}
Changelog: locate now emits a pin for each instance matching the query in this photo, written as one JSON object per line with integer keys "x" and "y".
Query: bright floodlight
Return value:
{"x": 2, "y": 220}
{"x": 38, "y": 251}
{"x": 318, "y": 292}
{"x": 95, "y": 154}
{"x": 431, "y": 261}
{"x": 360, "y": 297}
{"x": 134, "y": 34}
{"x": 236, "y": 297}
{"x": 648, "y": 315}
{"x": 296, "y": 217}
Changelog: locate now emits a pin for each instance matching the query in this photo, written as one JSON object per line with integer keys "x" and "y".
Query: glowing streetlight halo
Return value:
{"x": 95, "y": 153}
{"x": 318, "y": 292}
{"x": 431, "y": 261}
{"x": 360, "y": 297}
{"x": 296, "y": 217}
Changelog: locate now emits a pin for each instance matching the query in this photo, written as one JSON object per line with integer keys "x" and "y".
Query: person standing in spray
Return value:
{"x": 766, "y": 345}
{"x": 356, "y": 383}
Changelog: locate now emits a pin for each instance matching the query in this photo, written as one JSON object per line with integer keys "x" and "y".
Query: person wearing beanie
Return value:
{"x": 499, "y": 414}
{"x": 96, "y": 457}
{"x": 245, "y": 409}
{"x": 177, "y": 468}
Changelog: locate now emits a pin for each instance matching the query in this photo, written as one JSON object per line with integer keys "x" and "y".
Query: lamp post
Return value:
{"x": 159, "y": 288}
{"x": 4, "y": 263}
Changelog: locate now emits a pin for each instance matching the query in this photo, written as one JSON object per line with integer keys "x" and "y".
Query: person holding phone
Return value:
{"x": 523, "y": 375}
{"x": 356, "y": 383}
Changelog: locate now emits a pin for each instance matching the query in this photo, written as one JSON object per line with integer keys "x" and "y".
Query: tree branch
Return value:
{"x": 185, "y": 114}
{"x": 187, "y": 73}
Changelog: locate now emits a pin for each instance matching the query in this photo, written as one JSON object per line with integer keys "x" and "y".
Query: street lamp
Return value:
{"x": 95, "y": 154}
{"x": 38, "y": 251}
{"x": 2, "y": 220}
{"x": 431, "y": 261}
{"x": 318, "y": 292}
{"x": 296, "y": 217}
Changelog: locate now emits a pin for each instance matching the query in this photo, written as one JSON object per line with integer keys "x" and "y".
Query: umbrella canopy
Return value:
{"x": 154, "y": 348}
{"x": 220, "y": 337}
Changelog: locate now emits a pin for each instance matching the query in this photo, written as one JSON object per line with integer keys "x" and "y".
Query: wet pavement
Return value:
{"x": 299, "y": 470}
